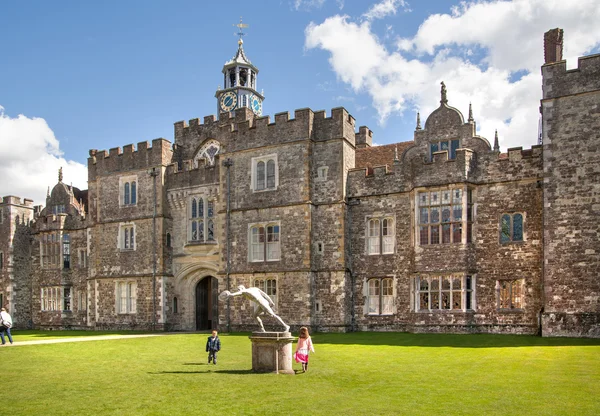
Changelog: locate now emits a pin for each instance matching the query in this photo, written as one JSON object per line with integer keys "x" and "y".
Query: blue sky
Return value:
{"x": 78, "y": 75}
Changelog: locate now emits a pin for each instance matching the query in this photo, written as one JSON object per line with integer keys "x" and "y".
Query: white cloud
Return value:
{"x": 308, "y": 4}
{"x": 512, "y": 31}
{"x": 385, "y": 8}
{"x": 30, "y": 157}
{"x": 511, "y": 34}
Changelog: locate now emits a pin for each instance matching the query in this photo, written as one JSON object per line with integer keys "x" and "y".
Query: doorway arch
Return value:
{"x": 207, "y": 304}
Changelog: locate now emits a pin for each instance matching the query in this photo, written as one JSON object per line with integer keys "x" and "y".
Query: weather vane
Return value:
{"x": 241, "y": 26}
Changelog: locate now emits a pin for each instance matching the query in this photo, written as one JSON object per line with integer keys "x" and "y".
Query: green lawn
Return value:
{"x": 350, "y": 374}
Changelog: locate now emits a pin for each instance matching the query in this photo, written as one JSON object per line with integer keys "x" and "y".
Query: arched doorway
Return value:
{"x": 207, "y": 302}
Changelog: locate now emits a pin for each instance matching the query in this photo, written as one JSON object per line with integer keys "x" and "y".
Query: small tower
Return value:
{"x": 239, "y": 82}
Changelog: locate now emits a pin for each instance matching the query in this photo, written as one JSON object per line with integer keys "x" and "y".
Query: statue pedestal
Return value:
{"x": 272, "y": 352}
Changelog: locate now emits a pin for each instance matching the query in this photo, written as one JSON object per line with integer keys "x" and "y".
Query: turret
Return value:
{"x": 239, "y": 82}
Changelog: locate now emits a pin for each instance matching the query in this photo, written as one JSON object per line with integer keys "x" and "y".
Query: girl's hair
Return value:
{"x": 303, "y": 332}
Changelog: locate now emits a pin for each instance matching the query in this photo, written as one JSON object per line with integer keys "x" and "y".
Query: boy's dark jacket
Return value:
{"x": 213, "y": 345}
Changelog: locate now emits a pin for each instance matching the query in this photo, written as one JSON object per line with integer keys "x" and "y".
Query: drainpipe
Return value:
{"x": 228, "y": 163}
{"x": 154, "y": 174}
{"x": 351, "y": 203}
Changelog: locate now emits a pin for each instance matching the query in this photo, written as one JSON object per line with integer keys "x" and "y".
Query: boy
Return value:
{"x": 213, "y": 345}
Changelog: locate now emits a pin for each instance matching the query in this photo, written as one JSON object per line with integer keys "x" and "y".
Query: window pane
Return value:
{"x": 271, "y": 174}
{"x": 131, "y": 239}
{"x": 126, "y": 238}
{"x": 434, "y": 148}
{"x": 210, "y": 231}
{"x": 423, "y": 198}
{"x": 435, "y": 198}
{"x": 373, "y": 228}
{"x": 388, "y": 244}
{"x": 444, "y": 145}
{"x": 446, "y": 197}
{"x": 446, "y": 214}
{"x": 435, "y": 301}
{"x": 424, "y": 235}
{"x": 517, "y": 227}
{"x": 201, "y": 208}
{"x": 200, "y": 230}
{"x": 435, "y": 234}
{"x": 126, "y": 194}
{"x": 454, "y": 144}
{"x": 194, "y": 231}
{"x": 424, "y": 300}
{"x": 457, "y": 233}
{"x": 194, "y": 208}
{"x": 260, "y": 175}
{"x": 435, "y": 215}
{"x": 516, "y": 299}
{"x": 133, "y": 193}
{"x": 456, "y": 300}
{"x": 424, "y": 215}
{"x": 445, "y": 300}
{"x": 435, "y": 284}
{"x": 457, "y": 212}
{"x": 210, "y": 209}
{"x": 446, "y": 233}
{"x": 505, "y": 229}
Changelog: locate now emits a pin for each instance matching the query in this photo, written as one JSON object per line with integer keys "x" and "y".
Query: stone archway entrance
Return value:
{"x": 207, "y": 311}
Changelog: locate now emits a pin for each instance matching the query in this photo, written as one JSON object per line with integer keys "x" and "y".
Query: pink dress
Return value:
{"x": 304, "y": 346}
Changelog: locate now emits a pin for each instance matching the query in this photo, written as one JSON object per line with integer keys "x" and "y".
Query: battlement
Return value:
{"x": 364, "y": 137}
{"x": 517, "y": 153}
{"x": 15, "y": 200}
{"x": 557, "y": 81}
{"x": 117, "y": 160}
{"x": 245, "y": 130}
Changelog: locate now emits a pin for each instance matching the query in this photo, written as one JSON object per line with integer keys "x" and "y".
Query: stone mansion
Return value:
{"x": 443, "y": 233}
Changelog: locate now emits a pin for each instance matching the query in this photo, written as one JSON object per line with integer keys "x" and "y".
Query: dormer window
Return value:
{"x": 449, "y": 145}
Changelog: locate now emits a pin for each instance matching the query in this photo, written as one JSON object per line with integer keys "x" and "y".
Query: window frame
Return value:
{"x": 127, "y": 236}
{"x": 467, "y": 292}
{"x": 261, "y": 171}
{"x": 455, "y": 227}
{"x": 201, "y": 220}
{"x": 515, "y": 292}
{"x": 510, "y": 238}
{"x": 449, "y": 148}
{"x": 380, "y": 304}
{"x": 378, "y": 235}
{"x": 128, "y": 191}
{"x": 125, "y": 297}
{"x": 268, "y": 285}
{"x": 258, "y": 251}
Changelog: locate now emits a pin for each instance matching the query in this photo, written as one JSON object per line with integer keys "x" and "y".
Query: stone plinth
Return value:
{"x": 272, "y": 352}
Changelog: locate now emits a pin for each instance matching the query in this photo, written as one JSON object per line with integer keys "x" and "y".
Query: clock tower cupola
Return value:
{"x": 239, "y": 82}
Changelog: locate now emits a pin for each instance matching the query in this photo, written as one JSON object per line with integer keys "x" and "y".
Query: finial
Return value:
{"x": 396, "y": 154}
{"x": 418, "y": 121}
{"x": 241, "y": 26}
{"x": 60, "y": 176}
{"x": 48, "y": 193}
{"x": 470, "y": 112}
{"x": 444, "y": 99}
{"x": 496, "y": 145}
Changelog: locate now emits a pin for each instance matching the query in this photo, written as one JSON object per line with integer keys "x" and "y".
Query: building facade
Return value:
{"x": 443, "y": 233}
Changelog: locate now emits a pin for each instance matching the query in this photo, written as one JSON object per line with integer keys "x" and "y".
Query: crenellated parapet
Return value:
{"x": 188, "y": 174}
{"x": 101, "y": 163}
{"x": 15, "y": 200}
{"x": 559, "y": 82}
{"x": 245, "y": 130}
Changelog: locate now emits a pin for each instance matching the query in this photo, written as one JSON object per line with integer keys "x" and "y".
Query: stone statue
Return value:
{"x": 262, "y": 300}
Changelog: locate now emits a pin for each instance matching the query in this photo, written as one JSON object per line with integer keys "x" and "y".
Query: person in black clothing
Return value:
{"x": 213, "y": 345}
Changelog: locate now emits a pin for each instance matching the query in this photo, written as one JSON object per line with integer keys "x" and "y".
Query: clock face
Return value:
{"x": 256, "y": 105}
{"x": 228, "y": 101}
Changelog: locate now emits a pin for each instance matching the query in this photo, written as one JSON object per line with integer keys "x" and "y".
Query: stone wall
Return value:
{"x": 571, "y": 138}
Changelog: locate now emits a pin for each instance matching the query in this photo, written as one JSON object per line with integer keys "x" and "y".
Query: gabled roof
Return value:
{"x": 369, "y": 157}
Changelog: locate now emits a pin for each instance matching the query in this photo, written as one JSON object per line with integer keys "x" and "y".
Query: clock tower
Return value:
{"x": 239, "y": 82}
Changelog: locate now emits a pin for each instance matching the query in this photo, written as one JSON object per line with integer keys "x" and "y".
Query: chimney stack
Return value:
{"x": 553, "y": 46}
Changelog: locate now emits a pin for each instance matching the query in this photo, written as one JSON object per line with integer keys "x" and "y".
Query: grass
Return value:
{"x": 350, "y": 374}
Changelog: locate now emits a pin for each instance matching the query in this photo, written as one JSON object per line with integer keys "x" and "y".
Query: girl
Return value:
{"x": 302, "y": 348}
